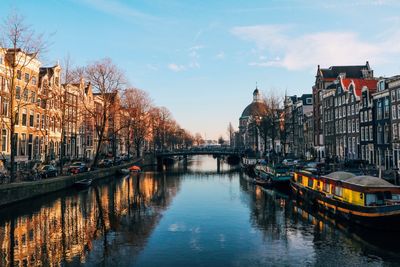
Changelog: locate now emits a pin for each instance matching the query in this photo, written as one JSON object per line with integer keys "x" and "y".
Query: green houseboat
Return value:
{"x": 277, "y": 175}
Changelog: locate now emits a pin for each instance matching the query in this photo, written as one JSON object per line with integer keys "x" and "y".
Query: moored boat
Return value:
{"x": 83, "y": 183}
{"x": 365, "y": 200}
{"x": 277, "y": 175}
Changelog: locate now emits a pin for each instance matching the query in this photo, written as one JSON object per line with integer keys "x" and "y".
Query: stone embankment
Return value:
{"x": 15, "y": 192}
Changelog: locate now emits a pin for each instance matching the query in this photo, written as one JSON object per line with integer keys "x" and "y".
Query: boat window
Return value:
{"x": 338, "y": 191}
{"x": 396, "y": 196}
{"x": 387, "y": 194}
{"x": 300, "y": 179}
{"x": 371, "y": 200}
{"x": 380, "y": 198}
{"x": 326, "y": 187}
{"x": 310, "y": 182}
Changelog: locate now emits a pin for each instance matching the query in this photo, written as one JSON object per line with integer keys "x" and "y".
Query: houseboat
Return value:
{"x": 274, "y": 175}
{"x": 365, "y": 200}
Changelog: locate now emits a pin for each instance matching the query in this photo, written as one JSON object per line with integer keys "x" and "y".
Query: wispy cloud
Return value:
{"x": 220, "y": 55}
{"x": 281, "y": 48}
{"x": 176, "y": 68}
{"x": 193, "y": 63}
{"x": 118, "y": 9}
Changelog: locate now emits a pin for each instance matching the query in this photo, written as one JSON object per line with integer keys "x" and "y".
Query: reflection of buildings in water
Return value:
{"x": 348, "y": 239}
{"x": 65, "y": 229}
{"x": 268, "y": 211}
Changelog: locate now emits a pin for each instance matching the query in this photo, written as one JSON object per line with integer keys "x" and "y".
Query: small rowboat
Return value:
{"x": 134, "y": 168}
{"x": 83, "y": 183}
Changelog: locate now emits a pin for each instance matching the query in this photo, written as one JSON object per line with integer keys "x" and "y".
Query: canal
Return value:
{"x": 190, "y": 216}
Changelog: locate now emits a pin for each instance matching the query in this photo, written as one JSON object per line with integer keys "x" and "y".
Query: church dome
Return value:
{"x": 255, "y": 109}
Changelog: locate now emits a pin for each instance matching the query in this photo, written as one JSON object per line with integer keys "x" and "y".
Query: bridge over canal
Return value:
{"x": 217, "y": 153}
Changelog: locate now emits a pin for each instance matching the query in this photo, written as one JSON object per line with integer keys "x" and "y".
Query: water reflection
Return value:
{"x": 180, "y": 218}
{"x": 66, "y": 229}
{"x": 322, "y": 240}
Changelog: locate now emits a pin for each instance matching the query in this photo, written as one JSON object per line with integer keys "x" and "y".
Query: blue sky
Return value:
{"x": 202, "y": 59}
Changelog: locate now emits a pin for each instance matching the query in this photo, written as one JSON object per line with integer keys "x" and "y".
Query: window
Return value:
{"x": 3, "y": 140}
{"x": 357, "y": 126}
{"x": 22, "y": 145}
{"x": 33, "y": 80}
{"x": 43, "y": 118}
{"x": 310, "y": 182}
{"x": 37, "y": 120}
{"x": 370, "y": 133}
{"x": 353, "y": 126}
{"x": 395, "y": 131}
{"x": 19, "y": 74}
{"x": 27, "y": 77}
{"x": 379, "y": 134}
{"x": 370, "y": 115}
{"x": 393, "y": 95}
{"x": 1, "y": 59}
{"x": 362, "y": 133}
{"x": 366, "y": 134}
{"x": 16, "y": 118}
{"x": 4, "y": 109}
{"x": 379, "y": 111}
{"x": 326, "y": 187}
{"x": 24, "y": 117}
{"x": 26, "y": 95}
{"x": 398, "y": 94}
{"x": 308, "y": 100}
{"x": 394, "y": 112}
{"x": 33, "y": 97}
{"x": 18, "y": 92}
{"x": 338, "y": 191}
{"x": 386, "y": 134}
{"x": 387, "y": 114}
{"x": 31, "y": 119}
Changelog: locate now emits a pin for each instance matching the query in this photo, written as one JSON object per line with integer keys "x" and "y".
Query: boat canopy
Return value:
{"x": 340, "y": 176}
{"x": 369, "y": 181}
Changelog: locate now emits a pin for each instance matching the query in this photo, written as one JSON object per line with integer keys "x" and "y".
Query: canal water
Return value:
{"x": 186, "y": 216}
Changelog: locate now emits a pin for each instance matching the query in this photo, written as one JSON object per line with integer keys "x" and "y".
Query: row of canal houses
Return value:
{"x": 352, "y": 115}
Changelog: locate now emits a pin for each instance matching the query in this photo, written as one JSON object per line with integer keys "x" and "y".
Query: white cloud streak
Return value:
{"x": 307, "y": 50}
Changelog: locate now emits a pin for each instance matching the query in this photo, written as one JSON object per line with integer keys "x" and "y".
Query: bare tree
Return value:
{"x": 269, "y": 124}
{"x": 230, "y": 131}
{"x": 198, "y": 139}
{"x": 137, "y": 105}
{"x": 106, "y": 79}
{"x": 21, "y": 47}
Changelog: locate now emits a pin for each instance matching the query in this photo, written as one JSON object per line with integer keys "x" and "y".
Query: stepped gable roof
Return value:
{"x": 351, "y": 71}
{"x": 255, "y": 109}
{"x": 358, "y": 85}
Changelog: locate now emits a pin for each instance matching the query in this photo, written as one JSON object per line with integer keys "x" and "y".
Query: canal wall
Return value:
{"x": 15, "y": 192}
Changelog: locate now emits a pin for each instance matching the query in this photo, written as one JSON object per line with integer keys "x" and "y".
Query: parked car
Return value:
{"x": 46, "y": 171}
{"x": 104, "y": 163}
{"x": 118, "y": 161}
{"x": 77, "y": 167}
{"x": 288, "y": 162}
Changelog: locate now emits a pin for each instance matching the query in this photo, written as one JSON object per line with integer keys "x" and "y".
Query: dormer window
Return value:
{"x": 381, "y": 85}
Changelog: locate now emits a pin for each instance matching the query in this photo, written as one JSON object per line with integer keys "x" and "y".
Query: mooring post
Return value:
{"x": 218, "y": 164}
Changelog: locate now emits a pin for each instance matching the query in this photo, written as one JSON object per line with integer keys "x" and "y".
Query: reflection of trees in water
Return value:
{"x": 67, "y": 226}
